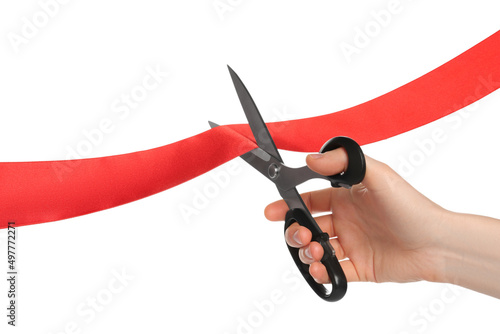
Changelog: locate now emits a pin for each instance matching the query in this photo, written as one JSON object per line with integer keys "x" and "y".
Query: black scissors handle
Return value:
{"x": 329, "y": 260}
{"x": 356, "y": 166}
{"x": 266, "y": 159}
{"x": 354, "y": 174}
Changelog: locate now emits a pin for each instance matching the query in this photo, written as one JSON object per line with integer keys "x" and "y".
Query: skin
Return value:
{"x": 386, "y": 231}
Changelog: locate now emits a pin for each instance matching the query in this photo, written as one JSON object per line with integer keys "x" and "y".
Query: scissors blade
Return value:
{"x": 212, "y": 124}
{"x": 263, "y": 162}
{"x": 257, "y": 158}
{"x": 257, "y": 124}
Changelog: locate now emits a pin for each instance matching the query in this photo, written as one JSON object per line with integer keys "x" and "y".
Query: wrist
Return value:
{"x": 443, "y": 251}
{"x": 466, "y": 252}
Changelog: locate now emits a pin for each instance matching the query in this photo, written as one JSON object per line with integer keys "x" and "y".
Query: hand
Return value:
{"x": 384, "y": 229}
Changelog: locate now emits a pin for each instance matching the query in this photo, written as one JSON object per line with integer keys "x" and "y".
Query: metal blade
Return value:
{"x": 260, "y": 160}
{"x": 281, "y": 175}
{"x": 212, "y": 124}
{"x": 259, "y": 128}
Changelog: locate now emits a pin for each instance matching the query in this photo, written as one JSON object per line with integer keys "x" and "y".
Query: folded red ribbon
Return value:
{"x": 37, "y": 192}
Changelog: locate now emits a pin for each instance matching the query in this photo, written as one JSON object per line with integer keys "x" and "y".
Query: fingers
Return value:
{"x": 297, "y": 236}
{"x": 318, "y": 272}
{"x": 336, "y": 161}
{"x": 316, "y": 201}
{"x": 328, "y": 163}
{"x": 311, "y": 253}
{"x": 276, "y": 211}
{"x": 300, "y": 237}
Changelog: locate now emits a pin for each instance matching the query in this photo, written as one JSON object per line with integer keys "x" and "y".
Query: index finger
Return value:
{"x": 328, "y": 163}
{"x": 316, "y": 201}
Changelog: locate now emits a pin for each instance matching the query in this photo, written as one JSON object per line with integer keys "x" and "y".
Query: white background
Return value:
{"x": 222, "y": 269}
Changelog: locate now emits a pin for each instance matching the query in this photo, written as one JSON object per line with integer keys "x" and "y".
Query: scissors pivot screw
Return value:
{"x": 273, "y": 171}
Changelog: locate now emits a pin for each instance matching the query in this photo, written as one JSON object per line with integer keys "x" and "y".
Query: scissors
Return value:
{"x": 267, "y": 160}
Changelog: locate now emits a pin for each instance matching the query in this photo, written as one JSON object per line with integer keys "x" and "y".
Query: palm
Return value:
{"x": 381, "y": 244}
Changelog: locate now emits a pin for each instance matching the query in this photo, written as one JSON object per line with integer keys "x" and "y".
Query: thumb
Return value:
{"x": 328, "y": 163}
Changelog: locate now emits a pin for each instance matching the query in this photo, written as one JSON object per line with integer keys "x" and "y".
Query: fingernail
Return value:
{"x": 316, "y": 156}
{"x": 296, "y": 238}
{"x": 307, "y": 253}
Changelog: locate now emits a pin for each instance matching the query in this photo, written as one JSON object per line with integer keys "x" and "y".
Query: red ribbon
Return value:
{"x": 37, "y": 192}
